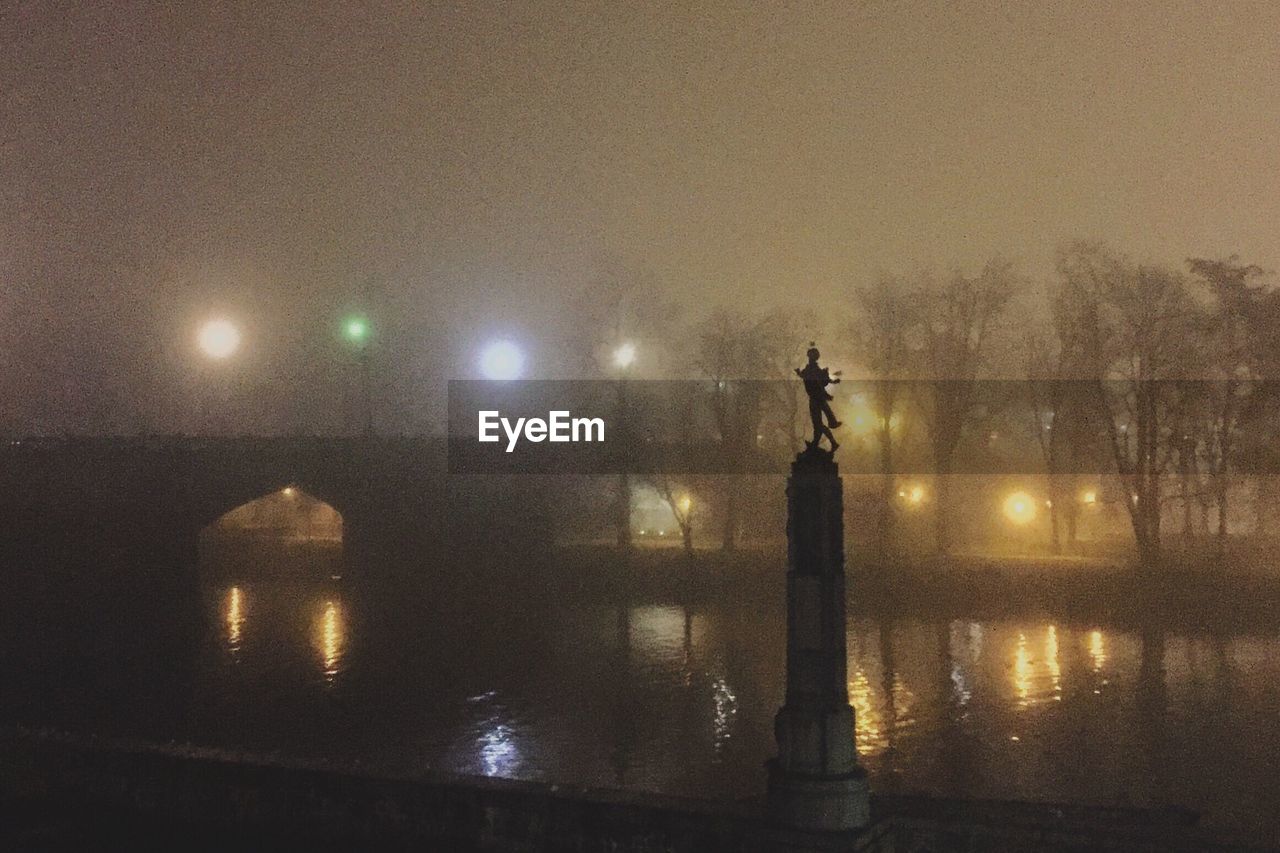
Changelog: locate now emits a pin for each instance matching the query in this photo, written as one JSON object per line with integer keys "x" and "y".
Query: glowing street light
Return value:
{"x": 356, "y": 330}
{"x": 219, "y": 338}
{"x": 686, "y": 503}
{"x": 624, "y": 356}
{"x": 1019, "y": 508}
{"x": 1089, "y": 498}
{"x": 502, "y": 360}
{"x": 913, "y": 495}
{"x": 863, "y": 419}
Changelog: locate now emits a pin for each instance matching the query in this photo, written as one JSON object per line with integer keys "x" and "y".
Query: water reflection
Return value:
{"x": 1036, "y": 680}
{"x": 1051, "y": 657}
{"x": 658, "y": 636}
{"x": 1022, "y": 671}
{"x": 498, "y": 751}
{"x": 492, "y": 739}
{"x": 725, "y": 703}
{"x": 234, "y": 617}
{"x": 1097, "y": 650}
{"x": 903, "y": 704}
{"x": 961, "y": 636}
{"x": 331, "y": 639}
{"x": 653, "y": 697}
{"x": 866, "y": 718}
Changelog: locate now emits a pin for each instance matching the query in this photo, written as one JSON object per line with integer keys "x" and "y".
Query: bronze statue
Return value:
{"x": 816, "y": 379}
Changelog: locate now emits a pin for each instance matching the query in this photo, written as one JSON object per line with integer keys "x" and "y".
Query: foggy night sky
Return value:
{"x": 466, "y": 169}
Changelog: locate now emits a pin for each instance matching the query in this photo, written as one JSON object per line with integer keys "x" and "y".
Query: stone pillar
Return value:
{"x": 816, "y": 782}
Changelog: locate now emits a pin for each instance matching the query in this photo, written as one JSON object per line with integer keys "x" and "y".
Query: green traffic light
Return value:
{"x": 356, "y": 329}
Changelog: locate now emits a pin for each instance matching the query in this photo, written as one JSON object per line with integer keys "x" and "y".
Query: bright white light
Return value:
{"x": 502, "y": 360}
{"x": 219, "y": 338}
{"x": 624, "y": 356}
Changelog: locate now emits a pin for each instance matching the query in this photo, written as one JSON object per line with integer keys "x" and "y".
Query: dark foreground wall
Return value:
{"x": 57, "y": 792}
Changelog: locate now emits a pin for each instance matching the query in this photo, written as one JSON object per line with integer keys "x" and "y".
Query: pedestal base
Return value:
{"x": 821, "y": 803}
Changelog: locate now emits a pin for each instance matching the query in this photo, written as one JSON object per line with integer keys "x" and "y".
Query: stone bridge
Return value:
{"x": 99, "y": 522}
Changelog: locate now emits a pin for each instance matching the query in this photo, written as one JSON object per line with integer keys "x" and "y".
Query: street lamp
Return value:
{"x": 1019, "y": 508}
{"x": 624, "y": 356}
{"x": 502, "y": 360}
{"x": 356, "y": 330}
{"x": 863, "y": 418}
{"x": 219, "y": 338}
{"x": 913, "y": 495}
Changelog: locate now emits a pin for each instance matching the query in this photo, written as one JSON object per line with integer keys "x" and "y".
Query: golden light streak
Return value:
{"x": 1097, "y": 650}
{"x": 1051, "y": 656}
{"x": 332, "y": 640}
{"x": 235, "y": 619}
{"x": 1022, "y": 671}
{"x": 866, "y": 722}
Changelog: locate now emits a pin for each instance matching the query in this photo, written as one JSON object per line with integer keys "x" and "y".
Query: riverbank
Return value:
{"x": 1190, "y": 595}
{"x": 59, "y": 792}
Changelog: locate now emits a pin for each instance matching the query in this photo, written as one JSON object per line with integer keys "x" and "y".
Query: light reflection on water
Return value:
{"x": 235, "y": 619}
{"x": 680, "y": 700}
{"x": 658, "y": 637}
{"x": 726, "y": 710}
{"x": 1036, "y": 678}
{"x": 1097, "y": 650}
{"x": 866, "y": 718}
{"x": 331, "y": 639}
{"x": 1022, "y": 671}
{"x": 1051, "y": 659}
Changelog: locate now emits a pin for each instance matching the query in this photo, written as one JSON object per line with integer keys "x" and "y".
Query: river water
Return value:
{"x": 662, "y": 697}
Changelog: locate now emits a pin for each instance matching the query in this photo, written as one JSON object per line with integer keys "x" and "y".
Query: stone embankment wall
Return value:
{"x": 128, "y": 793}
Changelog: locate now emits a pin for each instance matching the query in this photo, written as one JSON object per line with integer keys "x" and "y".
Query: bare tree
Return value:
{"x": 679, "y": 498}
{"x": 738, "y": 353}
{"x": 958, "y": 322}
{"x": 1239, "y": 342}
{"x": 881, "y": 332}
{"x": 783, "y": 414}
{"x": 1047, "y": 388}
{"x": 1139, "y": 333}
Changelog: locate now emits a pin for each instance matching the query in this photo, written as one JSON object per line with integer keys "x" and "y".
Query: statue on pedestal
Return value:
{"x": 816, "y": 379}
{"x": 816, "y": 782}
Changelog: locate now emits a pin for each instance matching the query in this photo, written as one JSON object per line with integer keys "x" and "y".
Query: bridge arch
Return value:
{"x": 288, "y": 513}
{"x": 215, "y": 503}
{"x": 285, "y": 534}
